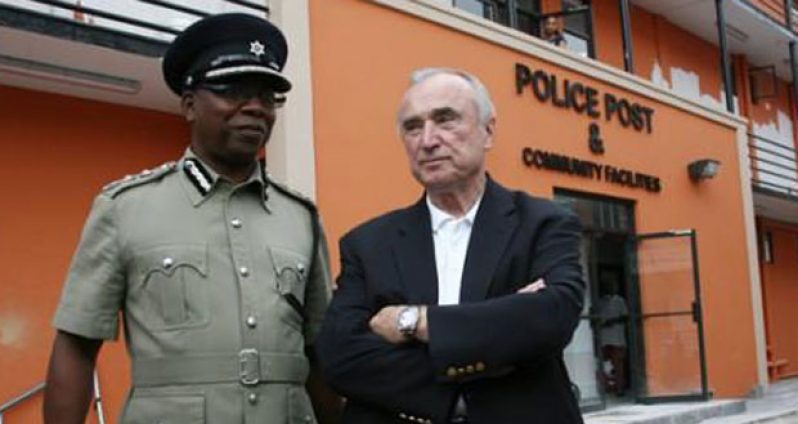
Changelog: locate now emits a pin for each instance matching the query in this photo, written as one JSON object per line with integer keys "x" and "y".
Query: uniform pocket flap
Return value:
{"x": 168, "y": 258}
{"x": 167, "y": 409}
{"x": 290, "y": 269}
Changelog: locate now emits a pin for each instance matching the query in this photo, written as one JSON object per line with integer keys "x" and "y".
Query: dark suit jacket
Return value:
{"x": 500, "y": 350}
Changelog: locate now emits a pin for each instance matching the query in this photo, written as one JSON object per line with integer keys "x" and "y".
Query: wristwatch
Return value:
{"x": 407, "y": 321}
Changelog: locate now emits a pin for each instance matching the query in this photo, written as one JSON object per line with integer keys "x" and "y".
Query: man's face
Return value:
{"x": 231, "y": 120}
{"x": 551, "y": 26}
{"x": 443, "y": 135}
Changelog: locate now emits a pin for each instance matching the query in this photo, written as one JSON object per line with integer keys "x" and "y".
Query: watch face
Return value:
{"x": 408, "y": 320}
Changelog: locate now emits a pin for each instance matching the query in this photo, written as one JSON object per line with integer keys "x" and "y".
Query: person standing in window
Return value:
{"x": 552, "y": 31}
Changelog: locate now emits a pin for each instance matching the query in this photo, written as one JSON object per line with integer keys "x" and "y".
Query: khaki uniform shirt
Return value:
{"x": 221, "y": 289}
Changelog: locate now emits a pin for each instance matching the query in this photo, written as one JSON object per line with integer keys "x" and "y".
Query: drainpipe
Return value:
{"x": 724, "y": 56}
{"x": 628, "y": 50}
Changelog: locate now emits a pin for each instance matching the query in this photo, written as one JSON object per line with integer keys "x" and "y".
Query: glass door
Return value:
{"x": 667, "y": 324}
{"x": 581, "y": 356}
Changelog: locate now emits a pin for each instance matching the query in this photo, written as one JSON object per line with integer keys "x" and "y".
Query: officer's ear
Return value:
{"x": 187, "y": 104}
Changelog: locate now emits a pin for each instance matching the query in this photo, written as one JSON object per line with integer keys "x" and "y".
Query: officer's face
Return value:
{"x": 443, "y": 134}
{"x": 230, "y": 120}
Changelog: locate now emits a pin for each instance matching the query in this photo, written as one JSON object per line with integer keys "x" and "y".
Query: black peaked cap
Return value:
{"x": 226, "y": 45}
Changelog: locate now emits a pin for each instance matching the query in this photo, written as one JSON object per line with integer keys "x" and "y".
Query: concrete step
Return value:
{"x": 788, "y": 416}
{"x": 670, "y": 413}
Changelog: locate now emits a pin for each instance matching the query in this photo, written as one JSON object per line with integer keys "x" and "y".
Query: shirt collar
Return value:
{"x": 439, "y": 217}
{"x": 201, "y": 179}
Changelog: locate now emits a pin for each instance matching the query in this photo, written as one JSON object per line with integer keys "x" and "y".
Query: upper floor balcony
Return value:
{"x": 783, "y": 12}
{"x": 98, "y": 49}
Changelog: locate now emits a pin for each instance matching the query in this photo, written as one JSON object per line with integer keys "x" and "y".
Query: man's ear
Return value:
{"x": 187, "y": 105}
{"x": 490, "y": 130}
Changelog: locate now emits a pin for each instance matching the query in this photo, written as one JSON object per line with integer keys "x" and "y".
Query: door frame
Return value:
{"x": 696, "y": 311}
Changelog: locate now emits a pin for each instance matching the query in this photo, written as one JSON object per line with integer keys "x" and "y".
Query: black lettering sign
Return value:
{"x": 582, "y": 99}
{"x": 591, "y": 170}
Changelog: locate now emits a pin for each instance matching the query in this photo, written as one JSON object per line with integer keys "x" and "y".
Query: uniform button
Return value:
{"x": 236, "y": 223}
{"x": 300, "y": 267}
{"x": 252, "y": 398}
{"x": 168, "y": 262}
{"x": 244, "y": 271}
{"x": 251, "y": 322}
{"x": 480, "y": 366}
{"x": 308, "y": 419}
{"x": 402, "y": 415}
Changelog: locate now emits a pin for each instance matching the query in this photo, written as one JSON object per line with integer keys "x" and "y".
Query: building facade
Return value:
{"x": 687, "y": 186}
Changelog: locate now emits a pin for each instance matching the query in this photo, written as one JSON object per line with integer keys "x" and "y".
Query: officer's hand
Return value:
{"x": 533, "y": 287}
{"x": 384, "y": 324}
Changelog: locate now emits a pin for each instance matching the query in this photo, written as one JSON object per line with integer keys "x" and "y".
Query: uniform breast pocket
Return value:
{"x": 172, "y": 288}
{"x": 291, "y": 273}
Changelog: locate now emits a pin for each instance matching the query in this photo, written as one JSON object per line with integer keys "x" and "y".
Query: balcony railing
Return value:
{"x": 777, "y": 10}
{"x": 153, "y": 20}
{"x": 774, "y": 165}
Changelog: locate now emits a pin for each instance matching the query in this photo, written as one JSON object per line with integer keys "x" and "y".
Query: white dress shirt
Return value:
{"x": 451, "y": 236}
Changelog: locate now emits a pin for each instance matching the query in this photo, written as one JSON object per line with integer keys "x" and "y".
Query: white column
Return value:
{"x": 753, "y": 260}
{"x": 291, "y": 153}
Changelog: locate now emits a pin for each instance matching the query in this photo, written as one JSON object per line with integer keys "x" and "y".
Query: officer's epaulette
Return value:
{"x": 113, "y": 189}
{"x": 301, "y": 198}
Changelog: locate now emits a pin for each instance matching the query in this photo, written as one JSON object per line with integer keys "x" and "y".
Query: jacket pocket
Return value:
{"x": 152, "y": 409}
{"x": 171, "y": 289}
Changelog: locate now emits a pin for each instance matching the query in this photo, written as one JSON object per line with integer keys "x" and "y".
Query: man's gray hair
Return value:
{"x": 484, "y": 102}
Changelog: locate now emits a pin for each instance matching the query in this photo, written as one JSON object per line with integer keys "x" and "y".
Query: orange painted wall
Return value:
{"x": 362, "y": 55}
{"x": 766, "y": 111}
{"x": 608, "y": 33}
{"x": 57, "y": 153}
{"x": 780, "y": 288}
{"x": 658, "y": 41}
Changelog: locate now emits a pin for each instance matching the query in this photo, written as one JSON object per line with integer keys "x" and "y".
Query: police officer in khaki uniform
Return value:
{"x": 220, "y": 273}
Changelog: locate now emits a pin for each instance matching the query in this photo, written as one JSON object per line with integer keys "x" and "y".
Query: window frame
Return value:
{"x": 514, "y": 11}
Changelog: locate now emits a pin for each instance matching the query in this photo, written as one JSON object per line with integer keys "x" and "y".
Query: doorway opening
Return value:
{"x": 640, "y": 336}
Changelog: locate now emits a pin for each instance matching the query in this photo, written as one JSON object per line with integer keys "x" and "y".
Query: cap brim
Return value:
{"x": 281, "y": 83}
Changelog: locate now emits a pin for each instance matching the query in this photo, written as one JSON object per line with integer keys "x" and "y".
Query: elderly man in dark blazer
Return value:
{"x": 456, "y": 309}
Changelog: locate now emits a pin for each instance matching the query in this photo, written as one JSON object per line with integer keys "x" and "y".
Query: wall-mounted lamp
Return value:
{"x": 703, "y": 169}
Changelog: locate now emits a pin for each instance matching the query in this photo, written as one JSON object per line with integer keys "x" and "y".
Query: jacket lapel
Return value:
{"x": 494, "y": 226}
{"x": 415, "y": 255}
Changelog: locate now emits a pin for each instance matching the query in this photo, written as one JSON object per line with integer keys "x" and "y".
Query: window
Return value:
{"x": 528, "y": 12}
{"x": 576, "y": 22}
{"x": 578, "y": 26}
{"x": 494, "y": 10}
{"x": 767, "y": 247}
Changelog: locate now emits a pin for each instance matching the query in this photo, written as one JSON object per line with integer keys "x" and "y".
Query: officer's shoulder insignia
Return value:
{"x": 293, "y": 194}
{"x": 113, "y": 189}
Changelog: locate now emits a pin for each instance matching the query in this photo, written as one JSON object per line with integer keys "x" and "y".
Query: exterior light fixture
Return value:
{"x": 703, "y": 169}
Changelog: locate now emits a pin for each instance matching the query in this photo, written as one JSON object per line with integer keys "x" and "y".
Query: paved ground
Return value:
{"x": 779, "y": 405}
